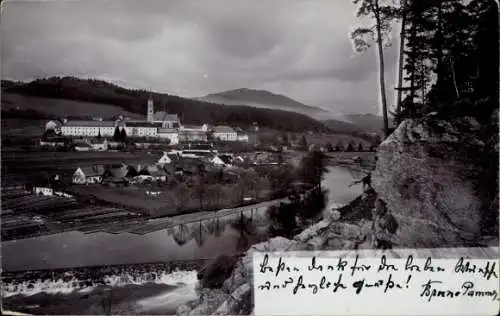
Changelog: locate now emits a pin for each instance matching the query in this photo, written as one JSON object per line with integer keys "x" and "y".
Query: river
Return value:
{"x": 72, "y": 249}
{"x": 75, "y": 249}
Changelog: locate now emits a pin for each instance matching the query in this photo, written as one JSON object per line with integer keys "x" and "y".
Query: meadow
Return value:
{"x": 61, "y": 107}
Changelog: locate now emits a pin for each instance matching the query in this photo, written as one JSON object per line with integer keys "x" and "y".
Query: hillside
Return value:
{"x": 260, "y": 98}
{"x": 134, "y": 101}
{"x": 367, "y": 122}
{"x": 62, "y": 107}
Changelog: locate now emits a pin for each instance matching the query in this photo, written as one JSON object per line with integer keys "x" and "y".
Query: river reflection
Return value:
{"x": 206, "y": 239}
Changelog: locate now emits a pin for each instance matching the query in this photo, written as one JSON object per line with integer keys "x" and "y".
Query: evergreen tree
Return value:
{"x": 457, "y": 44}
{"x": 360, "y": 147}
{"x": 349, "y": 147}
{"x": 303, "y": 143}
{"x": 329, "y": 147}
{"x": 284, "y": 139}
{"x": 99, "y": 135}
{"x": 123, "y": 135}
{"x": 313, "y": 168}
{"x": 339, "y": 146}
{"x": 117, "y": 135}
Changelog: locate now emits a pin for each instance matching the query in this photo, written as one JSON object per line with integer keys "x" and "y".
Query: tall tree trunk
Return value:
{"x": 455, "y": 84}
{"x": 401, "y": 55}
{"x": 422, "y": 82}
{"x": 380, "y": 44}
{"x": 413, "y": 61}
{"x": 439, "y": 35}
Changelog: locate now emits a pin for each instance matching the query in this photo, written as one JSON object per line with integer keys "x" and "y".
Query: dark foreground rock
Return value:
{"x": 214, "y": 274}
{"x": 235, "y": 297}
{"x": 430, "y": 175}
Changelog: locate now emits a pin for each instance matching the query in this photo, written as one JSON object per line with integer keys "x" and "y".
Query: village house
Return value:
{"x": 238, "y": 160}
{"x": 193, "y": 133}
{"x": 53, "y": 141}
{"x": 193, "y": 153}
{"x": 190, "y": 167}
{"x": 216, "y": 160}
{"x": 208, "y": 147}
{"x": 82, "y": 146}
{"x": 88, "y": 175}
{"x": 224, "y": 133}
{"x": 151, "y": 173}
{"x": 43, "y": 190}
{"x": 242, "y": 137}
{"x": 117, "y": 175}
{"x": 222, "y": 160}
{"x": 168, "y": 133}
{"x": 99, "y": 144}
{"x": 54, "y": 125}
{"x": 165, "y": 159}
{"x": 49, "y": 187}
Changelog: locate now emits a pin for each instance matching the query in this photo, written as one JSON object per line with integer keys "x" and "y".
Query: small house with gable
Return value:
{"x": 88, "y": 175}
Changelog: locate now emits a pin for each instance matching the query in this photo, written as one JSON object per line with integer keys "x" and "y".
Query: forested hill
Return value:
{"x": 191, "y": 111}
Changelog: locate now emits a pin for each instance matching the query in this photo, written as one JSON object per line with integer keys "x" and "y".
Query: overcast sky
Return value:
{"x": 299, "y": 48}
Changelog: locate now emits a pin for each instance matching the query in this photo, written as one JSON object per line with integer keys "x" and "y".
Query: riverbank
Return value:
{"x": 107, "y": 299}
{"x": 185, "y": 242}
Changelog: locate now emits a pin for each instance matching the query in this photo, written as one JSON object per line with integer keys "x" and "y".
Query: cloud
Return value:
{"x": 299, "y": 48}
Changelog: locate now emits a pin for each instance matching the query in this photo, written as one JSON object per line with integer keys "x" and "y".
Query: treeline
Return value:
{"x": 190, "y": 111}
{"x": 451, "y": 59}
{"x": 449, "y": 56}
{"x": 350, "y": 147}
{"x": 288, "y": 219}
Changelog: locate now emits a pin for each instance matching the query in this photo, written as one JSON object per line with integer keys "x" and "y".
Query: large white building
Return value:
{"x": 159, "y": 124}
{"x": 88, "y": 128}
{"x": 224, "y": 133}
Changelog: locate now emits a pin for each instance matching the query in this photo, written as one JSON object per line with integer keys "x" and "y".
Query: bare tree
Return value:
{"x": 200, "y": 190}
{"x": 382, "y": 13}
{"x": 402, "y": 38}
{"x": 107, "y": 301}
{"x": 183, "y": 195}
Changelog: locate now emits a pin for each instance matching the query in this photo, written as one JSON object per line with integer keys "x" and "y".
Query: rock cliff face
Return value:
{"x": 235, "y": 295}
{"x": 429, "y": 174}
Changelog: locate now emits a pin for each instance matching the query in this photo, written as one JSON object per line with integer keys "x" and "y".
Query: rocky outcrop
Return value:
{"x": 429, "y": 174}
{"x": 216, "y": 272}
{"x": 235, "y": 295}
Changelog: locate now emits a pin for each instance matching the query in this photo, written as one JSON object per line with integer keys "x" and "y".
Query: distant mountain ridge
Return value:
{"x": 368, "y": 122}
{"x": 262, "y": 99}
{"x": 191, "y": 111}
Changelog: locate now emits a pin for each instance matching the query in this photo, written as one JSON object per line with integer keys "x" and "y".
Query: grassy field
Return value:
{"x": 59, "y": 107}
{"x": 172, "y": 200}
{"x": 346, "y": 159}
{"x": 22, "y": 127}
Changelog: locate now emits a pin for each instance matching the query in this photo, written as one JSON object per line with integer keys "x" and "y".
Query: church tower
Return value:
{"x": 150, "y": 114}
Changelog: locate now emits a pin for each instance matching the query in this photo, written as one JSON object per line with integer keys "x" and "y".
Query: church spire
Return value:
{"x": 150, "y": 113}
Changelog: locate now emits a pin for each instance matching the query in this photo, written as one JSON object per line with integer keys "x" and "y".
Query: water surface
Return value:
{"x": 72, "y": 249}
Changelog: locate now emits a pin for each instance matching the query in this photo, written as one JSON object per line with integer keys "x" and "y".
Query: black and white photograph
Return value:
{"x": 150, "y": 147}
